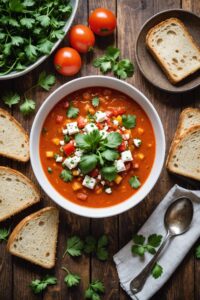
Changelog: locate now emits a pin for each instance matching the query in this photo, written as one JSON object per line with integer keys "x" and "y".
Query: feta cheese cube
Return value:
{"x": 78, "y": 152}
{"x": 72, "y": 162}
{"x": 103, "y": 182}
{"x": 59, "y": 158}
{"x": 100, "y": 116}
{"x": 120, "y": 166}
{"x": 90, "y": 127}
{"x": 126, "y": 136}
{"x": 123, "y": 128}
{"x": 99, "y": 177}
{"x": 137, "y": 142}
{"x": 115, "y": 122}
{"x": 72, "y": 128}
{"x": 62, "y": 143}
{"x": 65, "y": 131}
{"x": 126, "y": 156}
{"x": 108, "y": 190}
{"x": 89, "y": 182}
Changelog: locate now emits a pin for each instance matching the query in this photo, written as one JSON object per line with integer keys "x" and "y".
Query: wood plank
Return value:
{"x": 99, "y": 270}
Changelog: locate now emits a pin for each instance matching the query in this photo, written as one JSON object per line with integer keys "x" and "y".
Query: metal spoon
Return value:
{"x": 178, "y": 218}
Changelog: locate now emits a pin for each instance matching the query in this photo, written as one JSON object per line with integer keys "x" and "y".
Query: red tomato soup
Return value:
{"x": 97, "y": 147}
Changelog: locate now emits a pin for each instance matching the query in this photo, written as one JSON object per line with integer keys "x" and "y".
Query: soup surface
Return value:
{"x": 97, "y": 147}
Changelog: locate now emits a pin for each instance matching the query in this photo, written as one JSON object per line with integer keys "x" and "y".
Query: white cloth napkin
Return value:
{"x": 128, "y": 266}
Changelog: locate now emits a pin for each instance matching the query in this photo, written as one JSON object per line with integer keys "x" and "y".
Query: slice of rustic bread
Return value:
{"x": 35, "y": 237}
{"x": 17, "y": 192}
{"x": 14, "y": 141}
{"x": 174, "y": 49}
{"x": 184, "y": 158}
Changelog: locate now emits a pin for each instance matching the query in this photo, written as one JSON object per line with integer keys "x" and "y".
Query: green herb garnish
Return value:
{"x": 88, "y": 163}
{"x": 94, "y": 290}
{"x": 11, "y": 98}
{"x": 110, "y": 62}
{"x": 72, "y": 112}
{"x": 129, "y": 121}
{"x": 38, "y": 285}
{"x": 197, "y": 252}
{"x": 97, "y": 247}
{"x": 95, "y": 101}
{"x": 66, "y": 138}
{"x": 71, "y": 279}
{"x": 4, "y": 233}
{"x": 134, "y": 182}
{"x": 157, "y": 271}
{"x": 46, "y": 81}
{"x": 27, "y": 107}
{"x": 50, "y": 171}
{"x": 140, "y": 247}
{"x": 74, "y": 246}
{"x": 66, "y": 175}
{"x": 109, "y": 173}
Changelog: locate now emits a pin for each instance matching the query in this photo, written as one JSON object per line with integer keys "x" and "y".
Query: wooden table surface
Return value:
{"x": 16, "y": 274}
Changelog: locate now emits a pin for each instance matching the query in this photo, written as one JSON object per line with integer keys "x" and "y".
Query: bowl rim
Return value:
{"x": 68, "y": 205}
{"x": 68, "y": 24}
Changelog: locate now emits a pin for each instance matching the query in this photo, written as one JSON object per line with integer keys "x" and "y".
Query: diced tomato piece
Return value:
{"x": 66, "y": 104}
{"x": 135, "y": 166}
{"x": 109, "y": 123}
{"x": 128, "y": 166}
{"x": 94, "y": 173}
{"x": 69, "y": 148}
{"x": 82, "y": 196}
{"x": 81, "y": 122}
{"x": 59, "y": 119}
{"x": 118, "y": 111}
{"x": 109, "y": 113}
{"x": 100, "y": 126}
{"x": 122, "y": 147}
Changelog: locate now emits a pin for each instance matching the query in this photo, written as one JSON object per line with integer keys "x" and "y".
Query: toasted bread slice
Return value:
{"x": 14, "y": 140}
{"x": 184, "y": 158}
{"x": 17, "y": 192}
{"x": 174, "y": 49}
{"x": 35, "y": 237}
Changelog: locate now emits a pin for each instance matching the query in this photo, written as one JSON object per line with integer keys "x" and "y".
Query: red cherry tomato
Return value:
{"x": 69, "y": 148}
{"x": 118, "y": 111}
{"x": 122, "y": 147}
{"x": 81, "y": 38}
{"x": 102, "y": 21}
{"x": 81, "y": 122}
{"x": 67, "y": 61}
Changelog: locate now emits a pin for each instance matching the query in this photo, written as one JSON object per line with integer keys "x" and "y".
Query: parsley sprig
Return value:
{"x": 32, "y": 28}
{"x": 4, "y": 233}
{"x": 74, "y": 246}
{"x": 94, "y": 290}
{"x": 110, "y": 62}
{"x": 71, "y": 279}
{"x": 10, "y": 98}
{"x": 39, "y": 285}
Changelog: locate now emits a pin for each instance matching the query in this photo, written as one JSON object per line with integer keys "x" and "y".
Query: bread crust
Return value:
{"x": 179, "y": 128}
{"x": 156, "y": 56}
{"x": 173, "y": 149}
{"x": 23, "y": 223}
{"x": 26, "y": 179}
{"x": 24, "y": 132}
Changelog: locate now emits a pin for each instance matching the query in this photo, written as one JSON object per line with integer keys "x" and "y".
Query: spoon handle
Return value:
{"x": 138, "y": 282}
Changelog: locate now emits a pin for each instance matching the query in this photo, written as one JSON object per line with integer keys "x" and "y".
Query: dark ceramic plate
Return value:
{"x": 148, "y": 66}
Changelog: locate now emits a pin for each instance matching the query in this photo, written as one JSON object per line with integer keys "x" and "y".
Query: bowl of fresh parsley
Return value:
{"x": 30, "y": 30}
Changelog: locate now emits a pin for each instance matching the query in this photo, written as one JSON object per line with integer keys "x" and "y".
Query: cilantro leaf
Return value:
{"x": 38, "y": 285}
{"x": 16, "y": 6}
{"x": 88, "y": 163}
{"x": 46, "y": 81}
{"x": 157, "y": 271}
{"x": 72, "y": 112}
{"x": 74, "y": 246}
{"x": 27, "y": 22}
{"x": 95, "y": 101}
{"x": 109, "y": 173}
{"x": 44, "y": 20}
{"x": 11, "y": 98}
{"x": 31, "y": 52}
{"x": 71, "y": 279}
{"x": 94, "y": 289}
{"x": 27, "y": 107}
{"x": 138, "y": 239}
{"x": 45, "y": 46}
{"x": 138, "y": 250}
{"x": 113, "y": 140}
{"x": 66, "y": 175}
{"x": 110, "y": 155}
{"x": 88, "y": 142}
{"x": 4, "y": 233}
{"x": 57, "y": 34}
{"x": 197, "y": 252}
{"x": 123, "y": 69}
{"x": 134, "y": 182}
{"x": 17, "y": 40}
{"x": 102, "y": 252}
{"x": 90, "y": 244}
{"x": 129, "y": 121}
{"x": 154, "y": 240}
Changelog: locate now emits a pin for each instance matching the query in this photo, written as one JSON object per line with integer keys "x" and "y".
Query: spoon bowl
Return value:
{"x": 178, "y": 216}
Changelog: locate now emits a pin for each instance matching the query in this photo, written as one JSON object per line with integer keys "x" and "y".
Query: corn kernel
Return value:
{"x": 119, "y": 119}
{"x": 76, "y": 186}
{"x": 140, "y": 130}
{"x": 118, "y": 179}
{"x": 49, "y": 154}
{"x": 75, "y": 173}
{"x": 56, "y": 141}
{"x": 140, "y": 156}
{"x": 149, "y": 145}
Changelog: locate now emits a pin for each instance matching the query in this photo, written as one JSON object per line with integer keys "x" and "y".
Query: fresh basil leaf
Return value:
{"x": 109, "y": 173}
{"x": 129, "y": 121}
{"x": 113, "y": 140}
{"x": 88, "y": 142}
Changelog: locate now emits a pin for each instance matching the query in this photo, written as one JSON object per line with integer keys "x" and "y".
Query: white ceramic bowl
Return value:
{"x": 44, "y": 110}
{"x": 29, "y": 68}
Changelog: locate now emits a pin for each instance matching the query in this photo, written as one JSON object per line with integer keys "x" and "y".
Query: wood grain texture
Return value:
{"x": 16, "y": 274}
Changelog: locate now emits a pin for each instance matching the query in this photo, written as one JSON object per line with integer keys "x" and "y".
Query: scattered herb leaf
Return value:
{"x": 72, "y": 112}
{"x": 27, "y": 107}
{"x": 38, "y": 285}
{"x": 74, "y": 246}
{"x": 66, "y": 175}
{"x": 94, "y": 290}
{"x": 134, "y": 182}
{"x": 4, "y": 233}
{"x": 71, "y": 279}
{"x": 11, "y": 98}
{"x": 129, "y": 121}
{"x": 157, "y": 271}
{"x": 46, "y": 81}
{"x": 95, "y": 101}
